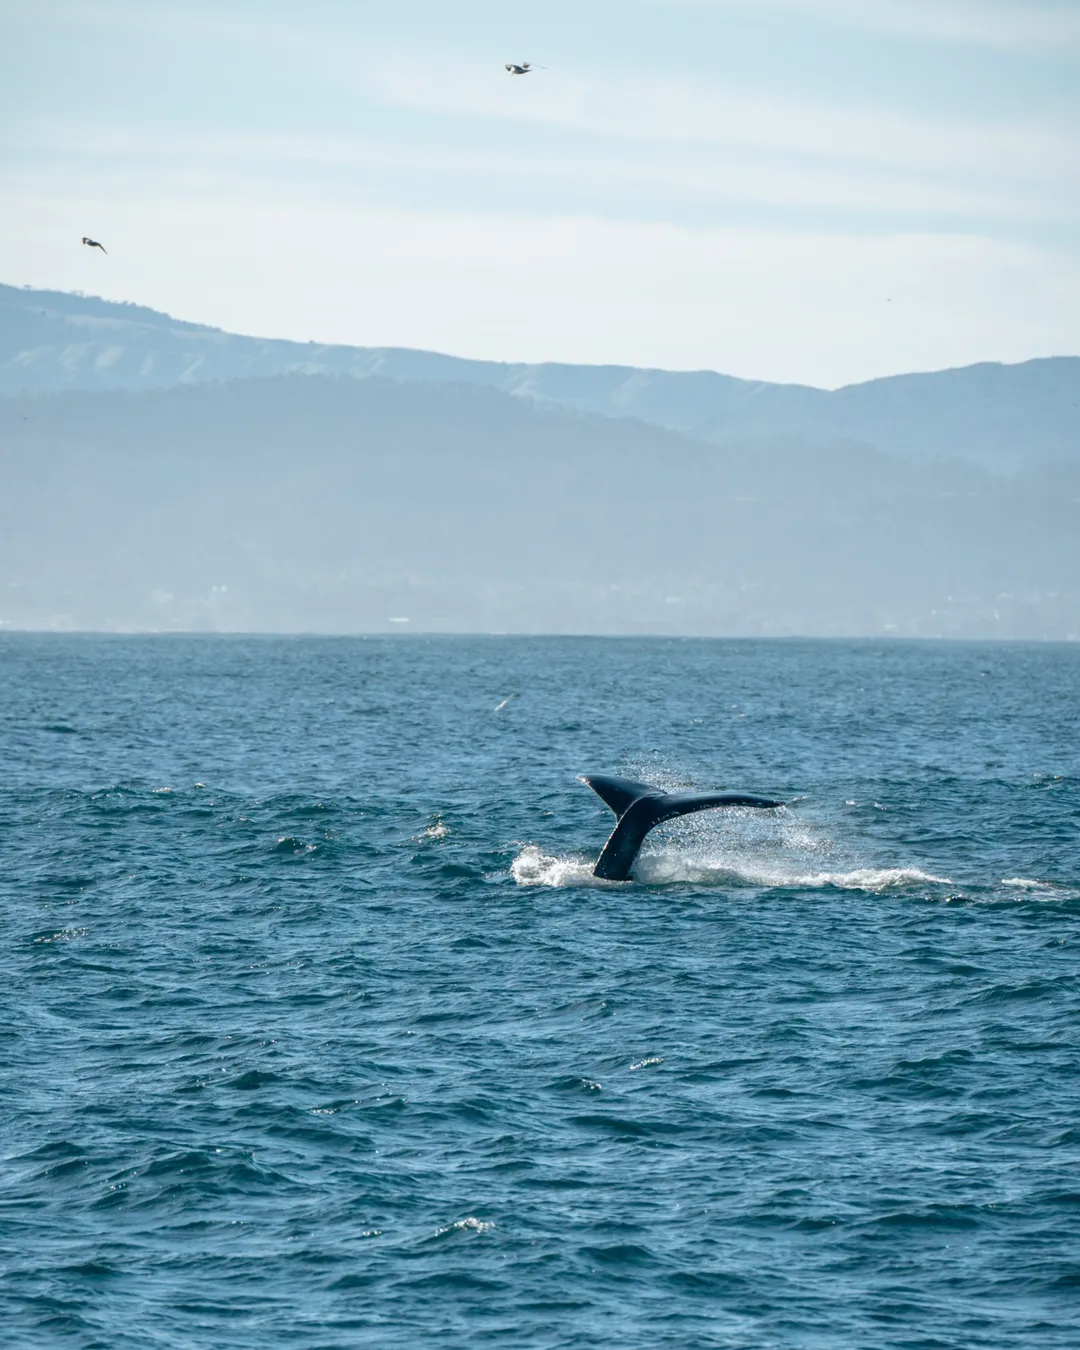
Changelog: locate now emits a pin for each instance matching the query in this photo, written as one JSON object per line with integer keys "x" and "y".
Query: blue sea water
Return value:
{"x": 315, "y": 1030}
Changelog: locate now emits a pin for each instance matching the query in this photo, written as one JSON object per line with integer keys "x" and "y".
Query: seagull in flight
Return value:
{"x": 523, "y": 69}
{"x": 93, "y": 243}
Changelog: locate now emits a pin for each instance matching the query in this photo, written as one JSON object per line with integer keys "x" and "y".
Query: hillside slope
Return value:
{"x": 1003, "y": 417}
{"x": 315, "y": 504}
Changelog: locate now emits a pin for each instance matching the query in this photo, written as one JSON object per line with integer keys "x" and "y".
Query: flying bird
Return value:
{"x": 523, "y": 69}
{"x": 93, "y": 243}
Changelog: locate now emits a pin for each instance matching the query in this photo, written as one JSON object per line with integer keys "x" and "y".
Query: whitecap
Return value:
{"x": 468, "y": 1225}
{"x": 1038, "y": 890}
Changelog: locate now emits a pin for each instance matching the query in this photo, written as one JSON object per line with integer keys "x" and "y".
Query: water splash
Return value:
{"x": 663, "y": 870}
{"x": 739, "y": 848}
{"x": 533, "y": 867}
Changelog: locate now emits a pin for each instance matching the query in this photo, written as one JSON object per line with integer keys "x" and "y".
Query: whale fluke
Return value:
{"x": 640, "y": 806}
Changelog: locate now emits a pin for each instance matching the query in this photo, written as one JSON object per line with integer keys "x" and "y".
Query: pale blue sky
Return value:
{"x": 815, "y": 190}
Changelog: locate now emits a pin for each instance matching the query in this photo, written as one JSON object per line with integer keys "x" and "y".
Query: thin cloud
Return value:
{"x": 664, "y": 108}
{"x": 651, "y": 181}
{"x": 688, "y": 112}
{"x": 991, "y": 23}
{"x": 660, "y": 109}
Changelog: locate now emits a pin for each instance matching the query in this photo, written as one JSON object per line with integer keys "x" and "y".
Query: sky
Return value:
{"x": 819, "y": 191}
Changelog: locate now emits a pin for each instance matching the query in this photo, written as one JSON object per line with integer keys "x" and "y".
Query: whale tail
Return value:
{"x": 639, "y": 807}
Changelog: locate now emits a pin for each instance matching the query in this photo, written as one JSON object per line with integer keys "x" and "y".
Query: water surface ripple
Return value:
{"x": 317, "y": 1032}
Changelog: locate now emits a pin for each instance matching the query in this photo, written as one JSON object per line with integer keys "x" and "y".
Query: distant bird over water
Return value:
{"x": 93, "y": 243}
{"x": 523, "y": 69}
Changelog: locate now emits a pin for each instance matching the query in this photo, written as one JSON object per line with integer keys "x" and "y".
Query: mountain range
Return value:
{"x": 159, "y": 475}
{"x": 1003, "y": 417}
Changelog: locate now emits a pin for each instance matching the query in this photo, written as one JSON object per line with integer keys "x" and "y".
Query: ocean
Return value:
{"x": 317, "y": 1031}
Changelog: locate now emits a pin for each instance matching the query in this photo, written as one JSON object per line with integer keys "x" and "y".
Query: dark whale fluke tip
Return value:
{"x": 639, "y": 807}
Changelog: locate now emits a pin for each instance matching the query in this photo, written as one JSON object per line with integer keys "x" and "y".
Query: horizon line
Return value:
{"x": 7, "y": 630}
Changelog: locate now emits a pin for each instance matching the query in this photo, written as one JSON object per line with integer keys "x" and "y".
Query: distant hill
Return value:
{"x": 1001, "y": 417}
{"x": 314, "y": 504}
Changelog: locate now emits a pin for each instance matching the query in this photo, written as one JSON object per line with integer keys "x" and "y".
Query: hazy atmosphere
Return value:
{"x": 162, "y": 476}
{"x": 721, "y": 318}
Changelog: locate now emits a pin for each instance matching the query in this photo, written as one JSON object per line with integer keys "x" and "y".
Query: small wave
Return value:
{"x": 292, "y": 847}
{"x": 1038, "y": 890}
{"x": 469, "y": 1225}
{"x": 63, "y": 935}
{"x": 437, "y": 830}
